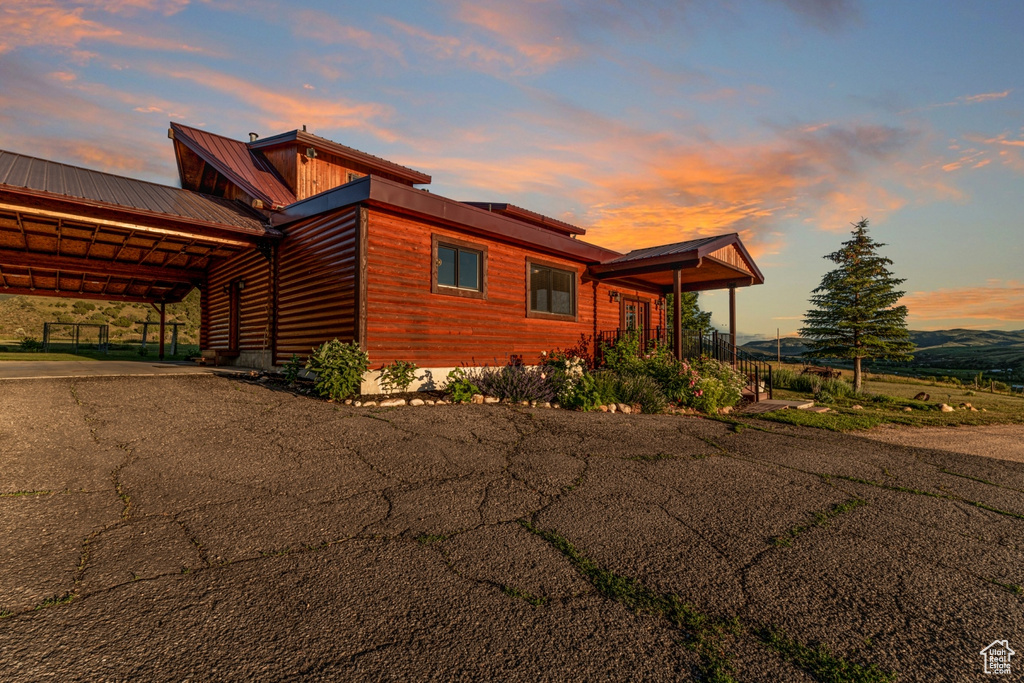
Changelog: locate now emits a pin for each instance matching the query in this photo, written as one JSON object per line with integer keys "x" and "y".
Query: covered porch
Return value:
{"x": 76, "y": 233}
{"x": 709, "y": 263}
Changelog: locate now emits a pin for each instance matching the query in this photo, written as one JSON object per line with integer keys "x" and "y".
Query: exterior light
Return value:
{"x": 614, "y": 296}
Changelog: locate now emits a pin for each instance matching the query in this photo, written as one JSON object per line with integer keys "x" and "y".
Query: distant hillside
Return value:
{"x": 23, "y": 316}
{"x": 941, "y": 349}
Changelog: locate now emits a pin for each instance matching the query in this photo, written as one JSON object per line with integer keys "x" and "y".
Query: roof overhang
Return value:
{"x": 55, "y": 248}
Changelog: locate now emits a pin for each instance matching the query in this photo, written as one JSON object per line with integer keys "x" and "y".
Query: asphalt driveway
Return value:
{"x": 208, "y": 528}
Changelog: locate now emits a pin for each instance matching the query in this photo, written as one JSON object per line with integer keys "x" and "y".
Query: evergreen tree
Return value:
{"x": 691, "y": 316}
{"x": 854, "y": 314}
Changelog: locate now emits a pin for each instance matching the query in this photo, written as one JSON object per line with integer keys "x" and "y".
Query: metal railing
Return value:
{"x": 697, "y": 343}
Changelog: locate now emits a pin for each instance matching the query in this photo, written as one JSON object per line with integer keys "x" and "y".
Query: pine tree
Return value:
{"x": 854, "y": 314}
{"x": 692, "y": 317}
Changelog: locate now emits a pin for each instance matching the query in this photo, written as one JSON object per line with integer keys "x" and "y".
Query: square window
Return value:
{"x": 552, "y": 292}
{"x": 459, "y": 268}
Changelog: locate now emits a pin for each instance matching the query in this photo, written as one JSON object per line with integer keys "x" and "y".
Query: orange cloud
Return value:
{"x": 281, "y": 110}
{"x": 469, "y": 53}
{"x": 1001, "y": 300}
{"x": 325, "y": 29}
{"x": 518, "y": 27}
{"x": 34, "y": 23}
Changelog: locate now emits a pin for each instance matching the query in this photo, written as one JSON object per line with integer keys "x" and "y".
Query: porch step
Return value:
{"x": 766, "y": 405}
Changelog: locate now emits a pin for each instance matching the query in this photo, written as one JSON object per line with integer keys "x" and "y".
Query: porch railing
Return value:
{"x": 697, "y": 343}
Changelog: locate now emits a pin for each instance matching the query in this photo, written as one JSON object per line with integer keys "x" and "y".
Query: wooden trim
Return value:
{"x": 48, "y": 262}
{"x": 272, "y": 296}
{"x": 362, "y": 241}
{"x": 623, "y": 298}
{"x": 481, "y": 249}
{"x": 541, "y": 315}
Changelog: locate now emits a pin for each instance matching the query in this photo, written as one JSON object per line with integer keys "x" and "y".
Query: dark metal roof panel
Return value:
{"x": 323, "y": 144}
{"x": 248, "y": 169}
{"x": 18, "y": 171}
{"x": 531, "y": 217}
{"x": 666, "y": 249}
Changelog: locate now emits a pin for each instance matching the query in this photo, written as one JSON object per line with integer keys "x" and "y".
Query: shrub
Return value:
{"x": 606, "y": 384}
{"x": 719, "y": 385}
{"x": 623, "y": 356}
{"x": 30, "y": 344}
{"x": 558, "y": 357}
{"x": 515, "y": 383}
{"x": 83, "y": 307}
{"x": 782, "y": 378}
{"x": 459, "y": 387}
{"x": 292, "y": 368}
{"x": 839, "y": 388}
{"x": 122, "y": 321}
{"x": 643, "y": 390}
{"x": 806, "y": 383}
{"x": 339, "y": 368}
{"x": 397, "y": 376}
{"x": 577, "y": 391}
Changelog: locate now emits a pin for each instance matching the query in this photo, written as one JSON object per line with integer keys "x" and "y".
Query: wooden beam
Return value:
{"x": 732, "y": 323}
{"x": 135, "y": 227}
{"x": 96, "y": 267}
{"x": 170, "y": 297}
{"x": 163, "y": 316}
{"x": 677, "y": 311}
{"x": 714, "y": 284}
{"x": 616, "y": 270}
{"x": 21, "y": 226}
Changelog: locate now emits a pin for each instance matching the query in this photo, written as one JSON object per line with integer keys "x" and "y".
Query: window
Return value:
{"x": 459, "y": 268}
{"x": 552, "y": 292}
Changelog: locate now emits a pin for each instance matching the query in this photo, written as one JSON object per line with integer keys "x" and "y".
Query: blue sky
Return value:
{"x": 646, "y": 122}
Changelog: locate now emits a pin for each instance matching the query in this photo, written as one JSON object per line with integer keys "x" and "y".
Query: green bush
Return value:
{"x": 83, "y": 307}
{"x": 719, "y": 386}
{"x": 642, "y": 390}
{"x": 577, "y": 391}
{"x": 397, "y": 376}
{"x": 839, "y": 388}
{"x": 339, "y": 368}
{"x": 122, "y": 321}
{"x": 459, "y": 387}
{"x": 30, "y": 344}
{"x": 806, "y": 383}
{"x": 623, "y": 356}
{"x": 606, "y": 384}
{"x": 292, "y": 368}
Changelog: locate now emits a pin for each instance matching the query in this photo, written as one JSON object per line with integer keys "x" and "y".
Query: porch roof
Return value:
{"x": 706, "y": 263}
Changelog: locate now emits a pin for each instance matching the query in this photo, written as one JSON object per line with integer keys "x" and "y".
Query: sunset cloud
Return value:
{"x": 280, "y": 109}
{"x": 35, "y": 23}
{"x": 997, "y": 300}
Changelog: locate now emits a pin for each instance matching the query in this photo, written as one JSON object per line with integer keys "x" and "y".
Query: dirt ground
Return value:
{"x": 1005, "y": 442}
{"x": 206, "y": 528}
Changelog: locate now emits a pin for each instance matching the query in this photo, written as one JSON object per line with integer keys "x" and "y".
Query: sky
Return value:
{"x": 646, "y": 122}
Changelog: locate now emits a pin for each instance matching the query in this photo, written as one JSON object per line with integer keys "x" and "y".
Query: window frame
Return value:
{"x": 544, "y": 315}
{"x": 457, "y": 244}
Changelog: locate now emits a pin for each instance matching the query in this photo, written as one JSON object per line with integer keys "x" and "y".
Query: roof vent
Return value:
{"x": 253, "y": 137}
{"x": 303, "y": 128}
{"x": 310, "y": 153}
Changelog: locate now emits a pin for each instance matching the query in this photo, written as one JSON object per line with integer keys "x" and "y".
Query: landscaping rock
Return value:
{"x": 392, "y": 403}
{"x": 440, "y": 402}
{"x": 612, "y": 407}
{"x": 908, "y": 409}
{"x": 555, "y": 405}
{"x": 429, "y": 402}
{"x": 857, "y": 407}
{"x": 357, "y": 404}
{"x": 603, "y": 409}
{"x": 726, "y": 410}
{"x": 922, "y": 397}
{"x": 478, "y": 398}
{"x": 966, "y": 406}
{"x": 370, "y": 404}
{"x": 625, "y": 409}
{"x": 348, "y": 401}
{"x": 946, "y": 408}
{"x": 491, "y": 399}
{"x": 525, "y": 403}
{"x": 417, "y": 402}
{"x": 545, "y": 404}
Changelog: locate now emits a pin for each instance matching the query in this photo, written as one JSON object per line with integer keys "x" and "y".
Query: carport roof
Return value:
{"x": 25, "y": 175}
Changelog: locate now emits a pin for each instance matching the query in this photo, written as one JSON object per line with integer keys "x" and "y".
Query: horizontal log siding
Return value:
{"x": 316, "y": 283}
{"x": 254, "y": 332}
{"x": 406, "y": 322}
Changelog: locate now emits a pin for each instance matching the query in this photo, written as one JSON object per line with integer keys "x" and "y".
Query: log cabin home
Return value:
{"x": 295, "y": 240}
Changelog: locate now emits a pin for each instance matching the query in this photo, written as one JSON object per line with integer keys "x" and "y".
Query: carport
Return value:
{"x": 72, "y": 232}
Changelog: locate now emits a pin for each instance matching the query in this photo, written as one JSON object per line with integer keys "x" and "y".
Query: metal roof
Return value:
{"x": 323, "y": 144}
{"x": 532, "y": 217}
{"x": 22, "y": 173}
{"x": 246, "y": 168}
{"x": 668, "y": 249}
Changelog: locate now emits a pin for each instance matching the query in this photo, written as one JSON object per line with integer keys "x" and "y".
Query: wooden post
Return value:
{"x": 677, "y": 312}
{"x": 778, "y": 347}
{"x": 162, "y": 319}
{"x": 732, "y": 321}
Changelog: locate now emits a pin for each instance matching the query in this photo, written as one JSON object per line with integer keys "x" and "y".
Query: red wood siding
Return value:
{"x": 317, "y": 283}
{"x": 406, "y": 322}
{"x": 254, "y": 303}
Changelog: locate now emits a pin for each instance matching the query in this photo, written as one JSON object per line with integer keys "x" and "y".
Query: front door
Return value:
{"x": 635, "y": 314}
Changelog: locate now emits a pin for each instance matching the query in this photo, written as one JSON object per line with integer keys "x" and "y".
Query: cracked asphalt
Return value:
{"x": 207, "y": 528}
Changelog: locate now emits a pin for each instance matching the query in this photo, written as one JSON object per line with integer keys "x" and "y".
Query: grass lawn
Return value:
{"x": 886, "y": 401}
